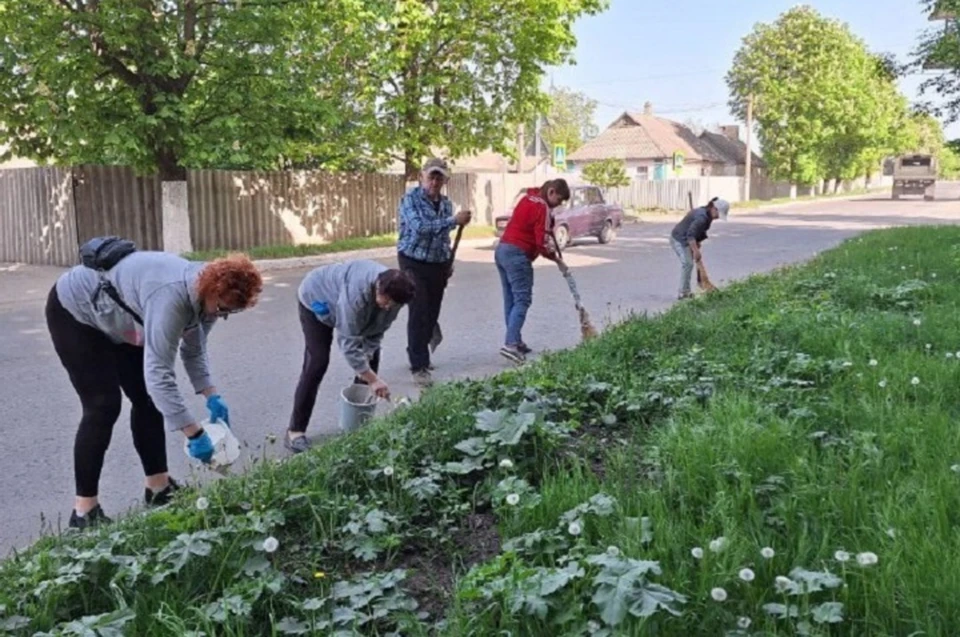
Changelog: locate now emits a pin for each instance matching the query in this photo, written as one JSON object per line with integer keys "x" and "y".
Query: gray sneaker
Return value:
{"x": 296, "y": 445}
{"x": 423, "y": 378}
{"x": 513, "y": 355}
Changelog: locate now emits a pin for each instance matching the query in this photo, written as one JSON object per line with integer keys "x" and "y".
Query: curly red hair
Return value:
{"x": 233, "y": 280}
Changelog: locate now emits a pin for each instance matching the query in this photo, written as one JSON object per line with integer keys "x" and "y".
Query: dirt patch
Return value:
{"x": 430, "y": 572}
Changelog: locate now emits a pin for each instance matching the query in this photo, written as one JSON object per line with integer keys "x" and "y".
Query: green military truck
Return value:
{"x": 915, "y": 175}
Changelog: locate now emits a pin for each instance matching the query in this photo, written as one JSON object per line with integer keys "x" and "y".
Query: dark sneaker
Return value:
{"x": 162, "y": 497}
{"x": 296, "y": 445}
{"x": 513, "y": 355}
{"x": 93, "y": 517}
{"x": 423, "y": 378}
{"x": 524, "y": 349}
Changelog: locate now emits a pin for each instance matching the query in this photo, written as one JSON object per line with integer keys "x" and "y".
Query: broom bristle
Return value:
{"x": 587, "y": 330}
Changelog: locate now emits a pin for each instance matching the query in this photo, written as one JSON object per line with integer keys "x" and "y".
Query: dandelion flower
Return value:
{"x": 203, "y": 504}
{"x": 917, "y": 322}
{"x": 867, "y": 559}
{"x": 841, "y": 556}
{"x": 914, "y": 381}
{"x": 388, "y": 471}
{"x": 747, "y": 575}
{"x": 574, "y": 529}
{"x": 718, "y": 544}
{"x": 613, "y": 551}
{"x": 873, "y": 362}
{"x": 949, "y": 354}
{"x": 744, "y": 623}
{"x": 718, "y": 595}
{"x": 697, "y": 552}
{"x": 593, "y": 626}
{"x": 955, "y": 468}
{"x": 782, "y": 584}
{"x": 271, "y": 544}
{"x": 929, "y": 346}
{"x": 847, "y": 364}
{"x": 933, "y": 275}
{"x": 882, "y": 383}
{"x": 958, "y": 354}
{"x": 892, "y": 533}
{"x": 513, "y": 499}
{"x": 506, "y": 463}
{"x": 319, "y": 575}
{"x": 767, "y": 553}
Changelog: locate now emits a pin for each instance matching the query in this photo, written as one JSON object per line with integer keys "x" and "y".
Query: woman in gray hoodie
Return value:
{"x": 360, "y": 300}
{"x": 119, "y": 331}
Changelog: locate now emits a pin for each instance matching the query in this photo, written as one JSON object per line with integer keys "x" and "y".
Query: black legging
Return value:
{"x": 99, "y": 369}
{"x": 318, "y": 340}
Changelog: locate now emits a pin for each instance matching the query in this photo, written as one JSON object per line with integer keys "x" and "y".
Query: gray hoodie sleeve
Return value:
{"x": 350, "y": 308}
{"x": 164, "y": 321}
{"x": 193, "y": 353}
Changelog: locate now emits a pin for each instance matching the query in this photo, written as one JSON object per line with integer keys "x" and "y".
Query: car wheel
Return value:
{"x": 608, "y": 234}
{"x": 562, "y": 233}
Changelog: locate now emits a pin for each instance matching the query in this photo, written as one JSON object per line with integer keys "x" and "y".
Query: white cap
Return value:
{"x": 723, "y": 208}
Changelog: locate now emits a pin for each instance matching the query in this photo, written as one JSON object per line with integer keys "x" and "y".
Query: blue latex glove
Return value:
{"x": 218, "y": 409}
{"x": 201, "y": 448}
{"x": 320, "y": 308}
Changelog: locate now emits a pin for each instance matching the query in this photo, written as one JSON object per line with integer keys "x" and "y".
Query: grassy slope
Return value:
{"x": 755, "y": 416}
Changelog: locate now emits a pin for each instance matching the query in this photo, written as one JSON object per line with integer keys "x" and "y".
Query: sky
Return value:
{"x": 640, "y": 51}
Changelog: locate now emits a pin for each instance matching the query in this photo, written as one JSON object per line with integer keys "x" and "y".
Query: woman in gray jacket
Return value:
{"x": 360, "y": 300}
{"x": 120, "y": 330}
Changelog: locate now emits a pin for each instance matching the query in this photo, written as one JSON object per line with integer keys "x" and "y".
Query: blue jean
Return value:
{"x": 516, "y": 278}
{"x": 686, "y": 264}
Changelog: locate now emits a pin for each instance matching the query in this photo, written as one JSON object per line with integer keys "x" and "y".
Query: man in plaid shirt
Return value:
{"x": 423, "y": 250}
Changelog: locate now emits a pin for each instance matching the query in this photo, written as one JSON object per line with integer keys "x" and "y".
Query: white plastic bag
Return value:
{"x": 226, "y": 447}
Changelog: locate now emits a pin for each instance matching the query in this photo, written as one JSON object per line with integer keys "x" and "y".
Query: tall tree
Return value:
{"x": 461, "y": 73}
{"x": 164, "y": 85}
{"x": 939, "y": 49}
{"x": 569, "y": 118}
{"x": 819, "y": 97}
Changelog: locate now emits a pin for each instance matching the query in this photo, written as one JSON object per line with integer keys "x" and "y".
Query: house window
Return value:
{"x": 643, "y": 172}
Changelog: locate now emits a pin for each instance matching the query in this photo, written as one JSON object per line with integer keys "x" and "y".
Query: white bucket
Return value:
{"x": 226, "y": 447}
{"x": 357, "y": 406}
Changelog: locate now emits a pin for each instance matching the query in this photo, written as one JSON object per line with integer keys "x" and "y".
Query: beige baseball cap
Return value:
{"x": 436, "y": 165}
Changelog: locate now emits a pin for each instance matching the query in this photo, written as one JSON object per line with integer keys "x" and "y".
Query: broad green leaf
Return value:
{"x": 472, "y": 446}
{"x": 828, "y": 613}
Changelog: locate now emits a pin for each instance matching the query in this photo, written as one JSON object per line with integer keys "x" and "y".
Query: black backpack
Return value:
{"x": 101, "y": 254}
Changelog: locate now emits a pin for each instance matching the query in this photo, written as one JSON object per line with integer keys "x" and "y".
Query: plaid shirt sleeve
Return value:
{"x": 424, "y": 232}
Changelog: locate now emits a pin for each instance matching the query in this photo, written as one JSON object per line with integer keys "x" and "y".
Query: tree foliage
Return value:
{"x": 939, "y": 48}
{"x": 825, "y": 107}
{"x": 569, "y": 119}
{"x": 606, "y": 173}
{"x": 172, "y": 84}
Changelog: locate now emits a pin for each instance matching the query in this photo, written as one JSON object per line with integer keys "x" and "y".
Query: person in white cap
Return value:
{"x": 689, "y": 233}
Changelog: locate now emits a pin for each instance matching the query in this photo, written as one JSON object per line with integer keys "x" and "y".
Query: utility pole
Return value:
{"x": 536, "y": 143}
{"x": 749, "y": 160}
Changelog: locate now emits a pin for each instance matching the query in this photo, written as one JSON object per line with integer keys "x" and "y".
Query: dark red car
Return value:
{"x": 585, "y": 215}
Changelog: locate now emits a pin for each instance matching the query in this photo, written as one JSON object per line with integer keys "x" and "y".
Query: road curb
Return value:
{"x": 315, "y": 261}
{"x": 741, "y": 212}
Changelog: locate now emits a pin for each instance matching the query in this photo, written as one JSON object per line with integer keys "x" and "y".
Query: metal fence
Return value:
{"x": 37, "y": 217}
{"x": 240, "y": 210}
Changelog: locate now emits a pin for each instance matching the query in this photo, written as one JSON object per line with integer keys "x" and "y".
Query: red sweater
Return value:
{"x": 528, "y": 225}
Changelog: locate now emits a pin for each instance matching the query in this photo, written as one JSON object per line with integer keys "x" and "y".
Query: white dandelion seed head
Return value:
{"x": 929, "y": 346}
{"x": 917, "y": 322}
{"x": 718, "y": 544}
{"x": 892, "y": 533}
{"x": 958, "y": 354}
{"x": 506, "y": 463}
{"x": 949, "y": 354}
{"x": 882, "y": 383}
{"x": 718, "y": 594}
{"x": 847, "y": 364}
{"x": 747, "y": 575}
{"x": 574, "y": 529}
{"x": 914, "y": 381}
{"x": 955, "y": 468}
{"x": 841, "y": 556}
{"x": 697, "y": 552}
{"x": 867, "y": 559}
{"x": 744, "y": 623}
{"x": 513, "y": 499}
{"x": 873, "y": 362}
{"x": 593, "y": 626}
{"x": 782, "y": 583}
{"x": 767, "y": 553}
{"x": 271, "y": 544}
{"x": 933, "y": 275}
{"x": 613, "y": 551}
{"x": 388, "y": 471}
{"x": 203, "y": 504}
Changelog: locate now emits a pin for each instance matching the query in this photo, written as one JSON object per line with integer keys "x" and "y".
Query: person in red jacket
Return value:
{"x": 524, "y": 239}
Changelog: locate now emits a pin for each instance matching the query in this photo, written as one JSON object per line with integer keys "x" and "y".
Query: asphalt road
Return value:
{"x": 256, "y": 356}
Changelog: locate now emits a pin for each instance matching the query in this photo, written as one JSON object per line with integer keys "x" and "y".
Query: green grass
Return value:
{"x": 565, "y": 498}
{"x": 341, "y": 245}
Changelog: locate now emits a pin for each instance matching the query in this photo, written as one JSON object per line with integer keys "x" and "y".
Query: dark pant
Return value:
{"x": 99, "y": 369}
{"x": 318, "y": 339}
{"x": 424, "y": 309}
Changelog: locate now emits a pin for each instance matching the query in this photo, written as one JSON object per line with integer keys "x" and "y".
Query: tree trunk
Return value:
{"x": 168, "y": 165}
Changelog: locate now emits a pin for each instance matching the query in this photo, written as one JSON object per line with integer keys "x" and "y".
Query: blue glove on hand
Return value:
{"x": 320, "y": 308}
{"x": 218, "y": 409}
{"x": 201, "y": 448}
